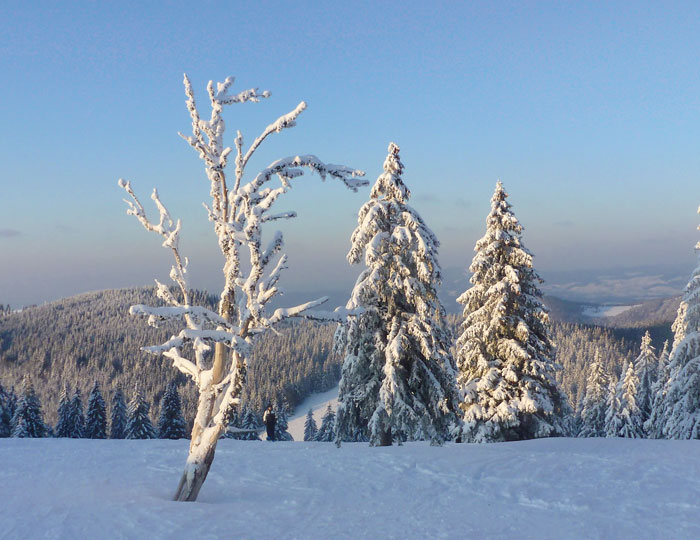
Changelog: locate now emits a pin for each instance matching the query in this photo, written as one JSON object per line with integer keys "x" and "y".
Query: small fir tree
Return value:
{"x": 594, "y": 403}
{"x": 28, "y": 420}
{"x": 252, "y": 423}
{"x": 171, "y": 422}
{"x": 398, "y": 376}
{"x": 653, "y": 427}
{"x": 63, "y": 428}
{"x": 646, "y": 369}
{"x": 326, "y": 433}
{"x": 630, "y": 415}
{"x": 76, "y": 418}
{"x": 117, "y": 428}
{"x": 96, "y": 418}
{"x": 613, "y": 420}
{"x": 505, "y": 353}
{"x": 5, "y": 414}
{"x": 138, "y": 423}
{"x": 281, "y": 433}
{"x": 310, "y": 427}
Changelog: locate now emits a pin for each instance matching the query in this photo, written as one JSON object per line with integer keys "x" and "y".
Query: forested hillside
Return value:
{"x": 91, "y": 337}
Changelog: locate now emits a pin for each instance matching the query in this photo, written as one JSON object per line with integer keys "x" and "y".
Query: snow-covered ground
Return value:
{"x": 316, "y": 402}
{"x": 549, "y": 488}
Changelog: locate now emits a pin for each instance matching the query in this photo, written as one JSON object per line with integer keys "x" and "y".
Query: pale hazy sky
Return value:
{"x": 589, "y": 113}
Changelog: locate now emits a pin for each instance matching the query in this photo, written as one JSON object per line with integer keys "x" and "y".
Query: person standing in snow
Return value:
{"x": 269, "y": 419}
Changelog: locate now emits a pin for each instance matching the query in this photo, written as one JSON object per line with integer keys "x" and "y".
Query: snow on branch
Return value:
{"x": 284, "y": 167}
{"x": 198, "y": 314}
{"x": 168, "y": 230}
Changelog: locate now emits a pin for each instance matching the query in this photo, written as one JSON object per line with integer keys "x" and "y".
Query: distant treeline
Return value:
{"x": 92, "y": 338}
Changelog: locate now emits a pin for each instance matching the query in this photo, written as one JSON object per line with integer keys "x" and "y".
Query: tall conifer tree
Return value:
{"x": 138, "y": 423}
{"x": 646, "y": 368}
{"x": 310, "y": 427}
{"x": 505, "y": 353}
{"x": 171, "y": 422}
{"x": 63, "y": 428}
{"x": 398, "y": 377}
{"x": 681, "y": 407}
{"x": 76, "y": 417}
{"x": 594, "y": 402}
{"x": 96, "y": 417}
{"x": 117, "y": 428}
{"x": 28, "y": 420}
{"x": 653, "y": 427}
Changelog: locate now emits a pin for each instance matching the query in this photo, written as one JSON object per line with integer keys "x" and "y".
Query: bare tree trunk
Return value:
{"x": 195, "y": 474}
{"x": 202, "y": 448}
{"x": 385, "y": 437}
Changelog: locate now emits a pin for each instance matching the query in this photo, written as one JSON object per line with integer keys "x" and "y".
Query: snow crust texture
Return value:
{"x": 541, "y": 489}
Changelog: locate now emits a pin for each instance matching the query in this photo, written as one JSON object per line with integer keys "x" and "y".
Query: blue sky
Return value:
{"x": 588, "y": 112}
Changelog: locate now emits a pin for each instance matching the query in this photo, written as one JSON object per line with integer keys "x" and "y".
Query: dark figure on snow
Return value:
{"x": 270, "y": 420}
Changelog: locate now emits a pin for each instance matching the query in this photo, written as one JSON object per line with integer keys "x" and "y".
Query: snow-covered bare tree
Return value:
{"x": 117, "y": 427}
{"x": 594, "y": 401}
{"x": 251, "y": 271}
{"x": 398, "y": 376}
{"x": 646, "y": 368}
{"x": 310, "y": 427}
{"x": 505, "y": 353}
{"x": 96, "y": 416}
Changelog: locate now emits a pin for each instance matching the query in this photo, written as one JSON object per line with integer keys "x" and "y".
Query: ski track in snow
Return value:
{"x": 317, "y": 402}
{"x": 549, "y": 488}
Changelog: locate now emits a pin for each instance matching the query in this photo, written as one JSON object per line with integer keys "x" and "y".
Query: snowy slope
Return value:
{"x": 548, "y": 488}
{"x": 317, "y": 402}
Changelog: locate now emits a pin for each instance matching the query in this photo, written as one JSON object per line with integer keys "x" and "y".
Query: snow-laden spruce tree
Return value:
{"x": 251, "y": 270}
{"x": 646, "y": 368}
{"x": 681, "y": 407}
{"x": 310, "y": 428}
{"x": 63, "y": 428}
{"x": 251, "y": 423}
{"x": 594, "y": 402}
{"x": 5, "y": 414}
{"x": 96, "y": 416}
{"x": 613, "y": 420}
{"x": 398, "y": 376}
{"x": 117, "y": 427}
{"x": 138, "y": 423}
{"x": 282, "y": 424}
{"x": 28, "y": 419}
{"x": 505, "y": 353}
{"x": 653, "y": 427}
{"x": 630, "y": 415}
{"x": 326, "y": 433}
{"x": 171, "y": 422}
{"x": 76, "y": 418}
